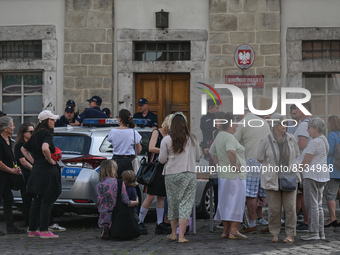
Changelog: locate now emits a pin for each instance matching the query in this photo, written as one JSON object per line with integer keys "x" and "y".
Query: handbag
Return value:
{"x": 124, "y": 226}
{"x": 287, "y": 180}
{"x": 135, "y": 162}
{"x": 17, "y": 181}
{"x": 147, "y": 172}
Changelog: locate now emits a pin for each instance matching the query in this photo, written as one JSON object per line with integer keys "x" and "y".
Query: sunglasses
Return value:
{"x": 29, "y": 132}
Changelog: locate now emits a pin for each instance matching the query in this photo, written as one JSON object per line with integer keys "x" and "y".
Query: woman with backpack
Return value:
{"x": 332, "y": 187}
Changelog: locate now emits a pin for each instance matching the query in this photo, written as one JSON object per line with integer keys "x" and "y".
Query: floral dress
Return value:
{"x": 107, "y": 191}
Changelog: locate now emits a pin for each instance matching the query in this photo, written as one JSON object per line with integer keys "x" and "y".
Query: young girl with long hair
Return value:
{"x": 107, "y": 190}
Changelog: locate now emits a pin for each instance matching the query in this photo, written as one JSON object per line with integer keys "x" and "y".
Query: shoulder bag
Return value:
{"x": 124, "y": 226}
{"x": 135, "y": 162}
{"x": 287, "y": 180}
{"x": 147, "y": 171}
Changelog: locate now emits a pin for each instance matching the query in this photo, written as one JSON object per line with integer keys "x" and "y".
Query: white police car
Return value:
{"x": 83, "y": 149}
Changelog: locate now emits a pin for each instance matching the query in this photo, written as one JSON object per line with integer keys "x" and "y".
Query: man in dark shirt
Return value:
{"x": 144, "y": 113}
{"x": 92, "y": 112}
{"x": 68, "y": 118}
{"x": 207, "y": 126}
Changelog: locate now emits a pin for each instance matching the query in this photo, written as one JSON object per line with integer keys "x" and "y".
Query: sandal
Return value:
{"x": 172, "y": 237}
{"x": 275, "y": 239}
{"x": 224, "y": 235}
{"x": 289, "y": 239}
{"x": 237, "y": 236}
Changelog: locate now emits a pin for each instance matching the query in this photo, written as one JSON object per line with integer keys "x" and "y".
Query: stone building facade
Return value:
{"x": 90, "y": 45}
{"x": 256, "y": 23}
{"x": 88, "y": 51}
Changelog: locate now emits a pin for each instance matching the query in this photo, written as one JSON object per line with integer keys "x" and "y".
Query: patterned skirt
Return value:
{"x": 181, "y": 191}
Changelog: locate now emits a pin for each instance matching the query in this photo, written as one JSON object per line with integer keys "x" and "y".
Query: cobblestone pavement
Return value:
{"x": 82, "y": 237}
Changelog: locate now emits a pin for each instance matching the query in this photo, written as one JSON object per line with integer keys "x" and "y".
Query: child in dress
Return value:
{"x": 129, "y": 179}
{"x": 107, "y": 190}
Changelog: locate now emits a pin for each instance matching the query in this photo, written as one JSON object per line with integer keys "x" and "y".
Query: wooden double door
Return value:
{"x": 166, "y": 93}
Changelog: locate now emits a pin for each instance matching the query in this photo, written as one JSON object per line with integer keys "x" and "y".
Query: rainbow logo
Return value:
{"x": 209, "y": 93}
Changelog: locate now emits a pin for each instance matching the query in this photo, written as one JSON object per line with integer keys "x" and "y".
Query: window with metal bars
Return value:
{"x": 21, "y": 50}
{"x": 162, "y": 51}
{"x": 321, "y": 49}
{"x": 21, "y": 96}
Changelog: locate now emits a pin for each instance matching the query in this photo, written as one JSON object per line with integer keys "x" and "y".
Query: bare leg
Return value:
{"x": 226, "y": 226}
{"x": 259, "y": 212}
{"x": 182, "y": 226}
{"x": 331, "y": 208}
{"x": 234, "y": 227}
{"x": 173, "y": 224}
{"x": 252, "y": 206}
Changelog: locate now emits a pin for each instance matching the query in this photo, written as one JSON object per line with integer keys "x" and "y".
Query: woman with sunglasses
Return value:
{"x": 24, "y": 134}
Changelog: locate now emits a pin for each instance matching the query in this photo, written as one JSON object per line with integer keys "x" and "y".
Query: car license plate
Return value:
{"x": 70, "y": 172}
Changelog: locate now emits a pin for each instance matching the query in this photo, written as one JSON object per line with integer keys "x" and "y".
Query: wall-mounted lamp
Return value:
{"x": 162, "y": 19}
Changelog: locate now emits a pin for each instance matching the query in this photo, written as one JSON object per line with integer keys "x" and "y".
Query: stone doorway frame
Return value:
{"x": 127, "y": 67}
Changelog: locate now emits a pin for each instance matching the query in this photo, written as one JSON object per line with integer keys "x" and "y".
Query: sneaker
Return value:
{"x": 162, "y": 228}
{"x": 310, "y": 236}
{"x": 220, "y": 226}
{"x": 302, "y": 227}
{"x": 15, "y": 230}
{"x": 262, "y": 222}
{"x": 322, "y": 236}
{"x": 34, "y": 233}
{"x": 247, "y": 230}
{"x": 56, "y": 227}
{"x": 105, "y": 233}
{"x": 331, "y": 224}
{"x": 300, "y": 218}
{"x": 142, "y": 229}
{"x": 48, "y": 235}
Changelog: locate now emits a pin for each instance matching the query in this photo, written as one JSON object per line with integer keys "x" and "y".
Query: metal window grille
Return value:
{"x": 329, "y": 49}
{"x": 162, "y": 51}
{"x": 21, "y": 96}
{"x": 21, "y": 50}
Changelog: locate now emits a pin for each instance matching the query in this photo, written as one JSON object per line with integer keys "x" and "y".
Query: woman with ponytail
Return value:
{"x": 124, "y": 140}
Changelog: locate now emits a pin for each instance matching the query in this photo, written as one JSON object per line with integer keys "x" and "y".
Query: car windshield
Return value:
{"x": 72, "y": 144}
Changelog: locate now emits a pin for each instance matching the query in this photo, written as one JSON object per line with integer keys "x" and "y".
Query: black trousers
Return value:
{"x": 6, "y": 196}
{"x": 123, "y": 164}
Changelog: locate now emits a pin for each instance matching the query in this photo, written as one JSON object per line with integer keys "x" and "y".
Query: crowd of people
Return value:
{"x": 248, "y": 151}
{"x": 301, "y": 162}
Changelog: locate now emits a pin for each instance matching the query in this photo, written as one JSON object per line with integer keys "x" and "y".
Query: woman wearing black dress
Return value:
{"x": 44, "y": 183}
{"x": 24, "y": 134}
{"x": 7, "y": 167}
{"x": 157, "y": 187}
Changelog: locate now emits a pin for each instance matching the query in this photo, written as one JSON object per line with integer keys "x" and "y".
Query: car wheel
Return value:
{"x": 204, "y": 211}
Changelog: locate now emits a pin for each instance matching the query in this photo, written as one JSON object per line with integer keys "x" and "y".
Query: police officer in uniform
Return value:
{"x": 92, "y": 112}
{"x": 68, "y": 118}
{"x": 144, "y": 113}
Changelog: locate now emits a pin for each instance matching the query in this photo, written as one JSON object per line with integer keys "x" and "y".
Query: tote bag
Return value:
{"x": 124, "y": 226}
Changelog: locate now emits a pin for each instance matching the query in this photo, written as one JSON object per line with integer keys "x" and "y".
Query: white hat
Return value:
{"x": 47, "y": 115}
